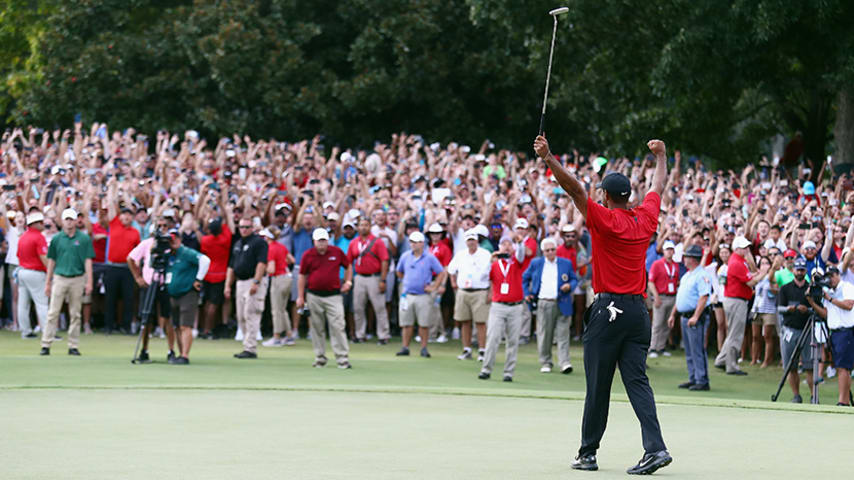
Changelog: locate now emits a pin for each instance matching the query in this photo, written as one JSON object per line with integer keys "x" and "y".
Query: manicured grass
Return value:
{"x": 98, "y": 416}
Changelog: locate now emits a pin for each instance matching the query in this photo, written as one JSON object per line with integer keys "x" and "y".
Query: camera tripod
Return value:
{"x": 809, "y": 332}
{"x": 145, "y": 312}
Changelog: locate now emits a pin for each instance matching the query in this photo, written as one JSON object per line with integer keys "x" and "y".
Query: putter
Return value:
{"x": 554, "y": 13}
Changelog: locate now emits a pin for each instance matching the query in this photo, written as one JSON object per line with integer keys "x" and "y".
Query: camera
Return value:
{"x": 819, "y": 282}
{"x": 303, "y": 312}
{"x": 160, "y": 251}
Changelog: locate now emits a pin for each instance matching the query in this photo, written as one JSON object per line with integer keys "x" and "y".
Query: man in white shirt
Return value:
{"x": 469, "y": 270}
{"x": 837, "y": 307}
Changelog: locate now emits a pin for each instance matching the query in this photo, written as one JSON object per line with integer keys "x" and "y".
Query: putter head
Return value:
{"x": 559, "y": 11}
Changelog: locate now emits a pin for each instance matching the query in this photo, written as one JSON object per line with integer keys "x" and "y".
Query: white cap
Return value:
{"x": 320, "y": 234}
{"x": 333, "y": 216}
{"x": 481, "y": 230}
{"x": 169, "y": 213}
{"x": 741, "y": 242}
{"x": 470, "y": 235}
{"x": 354, "y": 214}
{"x": 416, "y": 237}
{"x": 520, "y": 223}
{"x": 69, "y": 213}
{"x": 435, "y": 228}
{"x": 567, "y": 228}
{"x": 328, "y": 204}
{"x": 806, "y": 245}
{"x": 348, "y": 223}
{"x": 35, "y": 217}
{"x": 668, "y": 244}
{"x": 267, "y": 233}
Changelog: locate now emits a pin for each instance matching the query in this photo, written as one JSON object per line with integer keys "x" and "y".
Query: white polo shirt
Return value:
{"x": 471, "y": 269}
{"x": 548, "y": 280}
{"x": 839, "y": 317}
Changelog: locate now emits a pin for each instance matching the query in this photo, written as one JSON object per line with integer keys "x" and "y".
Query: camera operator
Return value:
{"x": 837, "y": 303}
{"x": 792, "y": 304}
{"x": 187, "y": 268}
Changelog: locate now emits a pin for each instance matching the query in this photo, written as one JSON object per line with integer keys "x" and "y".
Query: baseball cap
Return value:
{"x": 740, "y": 242}
{"x": 693, "y": 251}
{"x": 69, "y": 213}
{"x": 333, "y": 216}
{"x": 790, "y": 254}
{"x": 520, "y": 223}
{"x": 328, "y": 204}
{"x": 808, "y": 244}
{"x": 435, "y": 228}
{"x": 831, "y": 270}
{"x": 169, "y": 213}
{"x": 266, "y": 233}
{"x": 481, "y": 230}
{"x": 354, "y": 214}
{"x": 416, "y": 237}
{"x": 668, "y": 244}
{"x": 616, "y": 184}
{"x": 348, "y": 224}
{"x": 320, "y": 234}
{"x": 809, "y": 188}
{"x": 567, "y": 228}
{"x": 800, "y": 264}
{"x": 470, "y": 235}
{"x": 35, "y": 217}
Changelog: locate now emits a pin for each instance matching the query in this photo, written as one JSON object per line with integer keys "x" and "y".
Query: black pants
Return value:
{"x": 623, "y": 341}
{"x": 118, "y": 283}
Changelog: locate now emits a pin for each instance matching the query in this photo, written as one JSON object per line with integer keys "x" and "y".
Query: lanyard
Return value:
{"x": 504, "y": 271}
{"x": 670, "y": 274}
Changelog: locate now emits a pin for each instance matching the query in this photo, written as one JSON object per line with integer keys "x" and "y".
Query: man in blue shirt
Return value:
{"x": 416, "y": 269}
{"x": 691, "y": 298}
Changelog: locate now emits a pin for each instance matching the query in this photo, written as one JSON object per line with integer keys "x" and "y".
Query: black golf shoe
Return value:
{"x": 651, "y": 462}
{"x": 585, "y": 462}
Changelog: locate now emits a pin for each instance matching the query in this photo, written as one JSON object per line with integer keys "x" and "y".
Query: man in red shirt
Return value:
{"x": 32, "y": 260}
{"x": 505, "y": 311}
{"x": 216, "y": 246}
{"x": 740, "y": 279}
{"x": 663, "y": 282}
{"x": 442, "y": 311}
{"x": 319, "y": 275}
{"x": 617, "y": 326}
{"x": 530, "y": 243}
{"x": 118, "y": 279}
{"x": 369, "y": 257}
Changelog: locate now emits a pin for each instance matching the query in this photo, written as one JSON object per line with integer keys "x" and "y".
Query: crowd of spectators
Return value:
{"x": 125, "y": 185}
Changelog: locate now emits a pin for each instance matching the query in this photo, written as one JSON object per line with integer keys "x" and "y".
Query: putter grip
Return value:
{"x": 542, "y": 123}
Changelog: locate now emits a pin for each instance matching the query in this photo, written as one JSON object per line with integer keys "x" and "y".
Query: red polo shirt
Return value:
{"x": 122, "y": 239}
{"x": 531, "y": 244}
{"x": 100, "y": 245}
{"x": 278, "y": 253}
{"x": 217, "y": 248}
{"x": 32, "y": 244}
{"x": 442, "y": 253}
{"x": 665, "y": 276}
{"x": 506, "y": 271}
{"x": 322, "y": 270}
{"x": 370, "y": 262}
{"x": 569, "y": 253}
{"x": 620, "y": 240}
{"x": 737, "y": 276}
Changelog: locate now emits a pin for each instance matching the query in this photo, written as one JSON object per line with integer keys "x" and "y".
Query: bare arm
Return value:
{"x": 567, "y": 181}
{"x": 659, "y": 179}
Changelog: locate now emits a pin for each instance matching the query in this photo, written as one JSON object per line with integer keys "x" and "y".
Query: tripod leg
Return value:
{"x": 799, "y": 345}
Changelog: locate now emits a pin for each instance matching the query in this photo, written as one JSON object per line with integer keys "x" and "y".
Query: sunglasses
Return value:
{"x": 245, "y": 226}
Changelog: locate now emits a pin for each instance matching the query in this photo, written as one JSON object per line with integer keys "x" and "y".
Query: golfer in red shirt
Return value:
{"x": 617, "y": 325}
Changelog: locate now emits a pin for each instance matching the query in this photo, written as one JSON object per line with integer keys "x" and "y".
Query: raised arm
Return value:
{"x": 567, "y": 181}
{"x": 659, "y": 179}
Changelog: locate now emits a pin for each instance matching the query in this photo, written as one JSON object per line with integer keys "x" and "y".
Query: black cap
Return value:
{"x": 125, "y": 210}
{"x": 616, "y": 184}
{"x": 831, "y": 270}
{"x": 693, "y": 251}
{"x": 800, "y": 264}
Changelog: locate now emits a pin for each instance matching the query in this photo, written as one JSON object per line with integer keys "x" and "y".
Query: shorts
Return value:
{"x": 213, "y": 292}
{"x": 842, "y": 342}
{"x": 418, "y": 309}
{"x": 185, "y": 308}
{"x": 162, "y": 306}
{"x": 767, "y": 319}
{"x": 788, "y": 340}
{"x": 472, "y": 305}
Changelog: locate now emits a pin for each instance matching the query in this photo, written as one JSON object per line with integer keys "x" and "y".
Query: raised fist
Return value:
{"x": 657, "y": 147}
{"x": 541, "y": 146}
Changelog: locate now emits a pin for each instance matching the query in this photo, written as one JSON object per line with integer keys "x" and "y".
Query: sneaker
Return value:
{"x": 170, "y": 356}
{"x": 384, "y": 341}
{"x": 158, "y": 332}
{"x": 483, "y": 376}
{"x": 358, "y": 340}
{"x": 797, "y": 399}
{"x": 245, "y": 354}
{"x": 319, "y": 362}
{"x": 585, "y": 462}
{"x": 481, "y": 353}
{"x": 653, "y": 354}
{"x": 700, "y": 388}
{"x": 508, "y": 378}
{"x": 143, "y": 357}
{"x": 576, "y": 338}
{"x": 288, "y": 341}
{"x": 830, "y": 372}
{"x": 651, "y": 462}
{"x": 566, "y": 369}
{"x": 404, "y": 352}
{"x": 466, "y": 355}
{"x": 74, "y": 352}
{"x": 524, "y": 340}
{"x": 665, "y": 353}
{"x": 686, "y": 385}
{"x": 134, "y": 328}
{"x": 181, "y": 361}
{"x": 259, "y": 337}
{"x": 30, "y": 335}
{"x": 737, "y": 372}
{"x": 442, "y": 339}
{"x": 87, "y": 330}
{"x": 273, "y": 342}
{"x": 425, "y": 353}
{"x": 295, "y": 335}
{"x": 545, "y": 369}
{"x": 455, "y": 333}
{"x": 369, "y": 337}
{"x": 239, "y": 335}
{"x": 44, "y": 351}
{"x": 345, "y": 365}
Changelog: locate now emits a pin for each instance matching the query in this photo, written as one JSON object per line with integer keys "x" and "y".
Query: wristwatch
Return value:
{"x": 256, "y": 281}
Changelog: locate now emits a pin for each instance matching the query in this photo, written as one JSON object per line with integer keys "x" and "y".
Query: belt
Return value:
{"x": 473, "y": 289}
{"x": 667, "y": 294}
{"x": 510, "y": 304}
{"x": 687, "y": 314}
{"x": 69, "y": 276}
{"x": 546, "y": 299}
{"x": 618, "y": 296}
{"x": 324, "y": 293}
{"x": 368, "y": 275}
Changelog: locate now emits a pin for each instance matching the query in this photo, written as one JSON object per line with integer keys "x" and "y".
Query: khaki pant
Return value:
{"x": 552, "y": 325}
{"x": 736, "y": 318}
{"x": 249, "y": 309}
{"x": 64, "y": 289}
{"x": 504, "y": 320}
{"x": 368, "y": 289}
{"x": 331, "y": 310}
{"x": 660, "y": 330}
{"x": 472, "y": 306}
{"x": 418, "y": 310}
{"x": 280, "y": 293}
{"x": 437, "y": 324}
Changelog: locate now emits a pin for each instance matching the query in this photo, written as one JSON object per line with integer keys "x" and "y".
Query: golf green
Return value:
{"x": 99, "y": 416}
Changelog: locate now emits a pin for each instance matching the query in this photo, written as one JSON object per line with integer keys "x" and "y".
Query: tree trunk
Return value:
{"x": 843, "y": 132}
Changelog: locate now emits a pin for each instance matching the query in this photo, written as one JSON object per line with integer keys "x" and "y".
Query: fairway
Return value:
{"x": 98, "y": 416}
